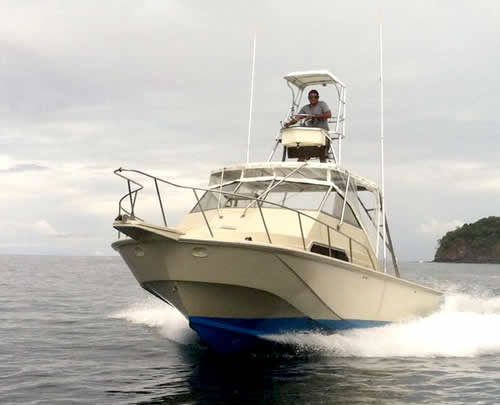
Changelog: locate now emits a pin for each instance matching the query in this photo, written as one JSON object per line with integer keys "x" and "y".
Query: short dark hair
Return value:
{"x": 313, "y": 91}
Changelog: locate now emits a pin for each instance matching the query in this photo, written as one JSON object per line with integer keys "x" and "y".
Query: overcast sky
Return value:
{"x": 163, "y": 86}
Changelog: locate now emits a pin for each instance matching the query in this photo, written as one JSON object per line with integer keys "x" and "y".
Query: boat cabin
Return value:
{"x": 305, "y": 205}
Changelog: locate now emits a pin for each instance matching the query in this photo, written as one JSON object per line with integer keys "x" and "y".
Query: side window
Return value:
{"x": 333, "y": 207}
{"x": 349, "y": 216}
{"x": 335, "y": 252}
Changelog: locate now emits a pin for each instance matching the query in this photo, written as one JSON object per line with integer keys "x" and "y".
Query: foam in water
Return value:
{"x": 466, "y": 326}
{"x": 157, "y": 314}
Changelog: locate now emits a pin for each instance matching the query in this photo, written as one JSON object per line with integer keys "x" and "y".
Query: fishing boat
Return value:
{"x": 273, "y": 247}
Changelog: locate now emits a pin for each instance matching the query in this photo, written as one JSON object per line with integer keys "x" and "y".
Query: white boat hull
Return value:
{"x": 235, "y": 293}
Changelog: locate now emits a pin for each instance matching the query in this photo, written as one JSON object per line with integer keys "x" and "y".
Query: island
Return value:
{"x": 471, "y": 243}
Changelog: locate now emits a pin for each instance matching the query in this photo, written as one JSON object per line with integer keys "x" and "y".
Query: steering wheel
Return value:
{"x": 305, "y": 120}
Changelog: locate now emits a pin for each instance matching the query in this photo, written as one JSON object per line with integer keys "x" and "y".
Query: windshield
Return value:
{"x": 299, "y": 196}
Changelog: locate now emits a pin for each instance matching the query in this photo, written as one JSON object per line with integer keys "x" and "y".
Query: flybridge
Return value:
{"x": 304, "y": 137}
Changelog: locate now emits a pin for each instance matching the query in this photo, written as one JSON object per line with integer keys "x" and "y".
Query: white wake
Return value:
{"x": 166, "y": 319}
{"x": 465, "y": 326}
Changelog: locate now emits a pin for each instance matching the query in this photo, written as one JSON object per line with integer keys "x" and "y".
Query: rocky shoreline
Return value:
{"x": 478, "y": 242}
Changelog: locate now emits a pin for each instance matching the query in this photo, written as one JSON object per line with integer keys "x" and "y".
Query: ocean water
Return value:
{"x": 79, "y": 330}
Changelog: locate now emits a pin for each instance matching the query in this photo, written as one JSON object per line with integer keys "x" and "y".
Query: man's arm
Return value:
{"x": 323, "y": 116}
{"x": 326, "y": 112}
{"x": 297, "y": 118}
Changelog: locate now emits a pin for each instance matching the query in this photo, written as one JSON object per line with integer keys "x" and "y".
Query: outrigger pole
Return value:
{"x": 385, "y": 228}
{"x": 382, "y": 197}
{"x": 251, "y": 96}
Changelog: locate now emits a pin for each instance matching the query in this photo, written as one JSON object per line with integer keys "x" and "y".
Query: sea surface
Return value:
{"x": 79, "y": 330}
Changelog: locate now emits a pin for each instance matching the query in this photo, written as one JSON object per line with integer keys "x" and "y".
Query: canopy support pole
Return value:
{"x": 391, "y": 249}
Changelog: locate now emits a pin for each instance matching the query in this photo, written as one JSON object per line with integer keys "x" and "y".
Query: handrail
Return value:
{"x": 161, "y": 205}
{"x": 271, "y": 186}
{"x": 132, "y": 201}
{"x": 203, "y": 213}
{"x": 258, "y": 199}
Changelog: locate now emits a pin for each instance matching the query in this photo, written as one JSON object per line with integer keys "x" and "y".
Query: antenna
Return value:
{"x": 382, "y": 198}
{"x": 251, "y": 96}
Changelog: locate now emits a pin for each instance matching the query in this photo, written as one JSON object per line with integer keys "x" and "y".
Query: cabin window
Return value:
{"x": 211, "y": 199}
{"x": 368, "y": 213}
{"x": 310, "y": 173}
{"x": 229, "y": 175}
{"x": 258, "y": 172}
{"x": 302, "y": 173}
{"x": 333, "y": 206}
{"x": 299, "y": 196}
{"x": 335, "y": 252}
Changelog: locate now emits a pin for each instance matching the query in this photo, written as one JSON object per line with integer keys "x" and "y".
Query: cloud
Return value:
{"x": 43, "y": 227}
{"x": 24, "y": 167}
{"x": 491, "y": 185}
{"x": 454, "y": 176}
{"x": 163, "y": 86}
{"x": 437, "y": 229}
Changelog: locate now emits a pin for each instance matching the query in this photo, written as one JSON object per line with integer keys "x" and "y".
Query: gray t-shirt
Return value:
{"x": 320, "y": 108}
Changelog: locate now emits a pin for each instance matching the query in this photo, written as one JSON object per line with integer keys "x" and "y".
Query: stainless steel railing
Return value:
{"x": 259, "y": 200}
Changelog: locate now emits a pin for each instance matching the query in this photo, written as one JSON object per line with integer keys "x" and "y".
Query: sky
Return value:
{"x": 163, "y": 86}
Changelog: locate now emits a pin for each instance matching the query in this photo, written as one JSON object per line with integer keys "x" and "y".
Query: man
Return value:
{"x": 315, "y": 114}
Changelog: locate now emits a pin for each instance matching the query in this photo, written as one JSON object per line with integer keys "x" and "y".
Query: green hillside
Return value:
{"x": 471, "y": 243}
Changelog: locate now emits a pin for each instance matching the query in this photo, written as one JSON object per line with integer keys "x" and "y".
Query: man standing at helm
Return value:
{"x": 315, "y": 114}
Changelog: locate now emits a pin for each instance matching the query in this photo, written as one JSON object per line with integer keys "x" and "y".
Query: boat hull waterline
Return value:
{"x": 236, "y": 294}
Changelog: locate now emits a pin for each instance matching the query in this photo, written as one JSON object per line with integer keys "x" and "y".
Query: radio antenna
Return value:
{"x": 382, "y": 197}
{"x": 251, "y": 96}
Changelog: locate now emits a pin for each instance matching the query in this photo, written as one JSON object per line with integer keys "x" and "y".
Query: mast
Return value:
{"x": 382, "y": 197}
{"x": 251, "y": 97}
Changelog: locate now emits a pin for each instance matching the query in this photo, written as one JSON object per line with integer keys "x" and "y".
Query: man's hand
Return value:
{"x": 297, "y": 118}
{"x": 302, "y": 117}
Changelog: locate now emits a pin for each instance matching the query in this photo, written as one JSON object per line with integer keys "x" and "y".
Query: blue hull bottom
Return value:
{"x": 230, "y": 335}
